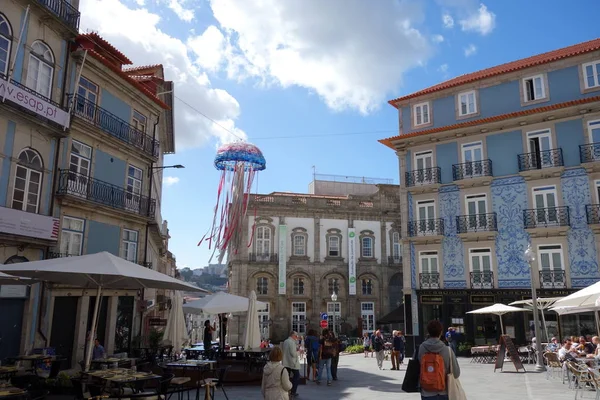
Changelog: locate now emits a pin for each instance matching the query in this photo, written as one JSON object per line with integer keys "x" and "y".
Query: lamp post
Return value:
{"x": 334, "y": 299}
{"x": 530, "y": 256}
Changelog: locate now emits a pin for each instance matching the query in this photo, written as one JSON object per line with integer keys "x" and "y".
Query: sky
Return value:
{"x": 308, "y": 81}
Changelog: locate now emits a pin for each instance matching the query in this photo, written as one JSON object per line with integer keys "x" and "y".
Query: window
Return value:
{"x": 424, "y": 173}
{"x": 139, "y": 121}
{"x": 594, "y": 137}
{"x": 476, "y": 209}
{"x": 41, "y": 69}
{"x": 334, "y": 243}
{"x": 299, "y": 242}
{"x": 134, "y": 188}
{"x": 28, "y": 181}
{"x": 430, "y": 273}
{"x": 591, "y": 74}
{"x": 367, "y": 247}
{"x": 334, "y": 315}
{"x": 472, "y": 154}
{"x": 299, "y": 317}
{"x": 480, "y": 263}
{"x": 262, "y": 285}
{"x": 334, "y": 285}
{"x": 367, "y": 314}
{"x": 550, "y": 262}
{"x": 130, "y": 244}
{"x": 426, "y": 218}
{"x": 298, "y": 286}
{"x": 545, "y": 205}
{"x": 533, "y": 88}
{"x": 367, "y": 287}
{"x": 79, "y": 168}
{"x": 396, "y": 250}
{"x": 421, "y": 114}
{"x": 263, "y": 242}
{"x": 467, "y": 103}
{"x": 5, "y": 44}
{"x": 263, "y": 320}
{"x": 87, "y": 98}
{"x": 71, "y": 236}
{"x": 597, "y": 186}
{"x": 539, "y": 144}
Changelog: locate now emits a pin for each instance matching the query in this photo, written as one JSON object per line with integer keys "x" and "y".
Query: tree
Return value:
{"x": 186, "y": 273}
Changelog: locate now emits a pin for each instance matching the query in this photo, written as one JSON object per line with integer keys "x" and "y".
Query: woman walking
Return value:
{"x": 276, "y": 383}
{"x": 366, "y": 344}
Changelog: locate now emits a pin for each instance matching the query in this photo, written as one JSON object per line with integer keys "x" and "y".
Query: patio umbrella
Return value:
{"x": 6, "y": 279}
{"x": 252, "y": 337}
{"x": 499, "y": 310}
{"x": 219, "y": 303}
{"x": 96, "y": 271}
{"x": 543, "y": 304}
{"x": 583, "y": 298}
{"x": 175, "y": 331}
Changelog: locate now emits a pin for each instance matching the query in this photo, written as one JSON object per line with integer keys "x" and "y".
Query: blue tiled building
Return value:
{"x": 491, "y": 162}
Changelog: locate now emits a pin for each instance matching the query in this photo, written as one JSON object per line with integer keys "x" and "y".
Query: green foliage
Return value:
{"x": 355, "y": 349}
{"x": 155, "y": 337}
{"x": 465, "y": 346}
{"x": 186, "y": 273}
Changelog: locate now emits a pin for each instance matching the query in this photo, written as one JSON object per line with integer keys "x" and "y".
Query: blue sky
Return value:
{"x": 308, "y": 81}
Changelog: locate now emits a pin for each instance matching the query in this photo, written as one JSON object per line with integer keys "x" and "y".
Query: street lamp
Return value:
{"x": 539, "y": 366}
{"x": 334, "y": 299}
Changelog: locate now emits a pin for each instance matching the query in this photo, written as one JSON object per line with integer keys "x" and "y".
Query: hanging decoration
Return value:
{"x": 238, "y": 162}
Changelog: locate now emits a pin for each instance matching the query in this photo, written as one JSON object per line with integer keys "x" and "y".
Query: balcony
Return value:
{"x": 30, "y": 102}
{"x": 482, "y": 280}
{"x": 556, "y": 218}
{"x": 472, "y": 170}
{"x": 115, "y": 126}
{"x": 592, "y": 212}
{"x": 394, "y": 260}
{"x": 429, "y": 280}
{"x": 589, "y": 153}
{"x": 423, "y": 177}
{"x": 78, "y": 186}
{"x": 553, "y": 279}
{"x": 543, "y": 162}
{"x": 263, "y": 258}
{"x": 426, "y": 227}
{"x": 34, "y": 226}
{"x": 476, "y": 224}
{"x": 65, "y": 12}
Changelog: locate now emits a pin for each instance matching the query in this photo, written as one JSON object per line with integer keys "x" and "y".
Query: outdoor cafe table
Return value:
{"x": 9, "y": 392}
{"x": 121, "y": 376}
{"x": 113, "y": 360}
{"x": 8, "y": 372}
{"x": 199, "y": 365}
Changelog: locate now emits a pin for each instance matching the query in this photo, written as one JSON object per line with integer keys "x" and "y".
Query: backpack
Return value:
{"x": 433, "y": 373}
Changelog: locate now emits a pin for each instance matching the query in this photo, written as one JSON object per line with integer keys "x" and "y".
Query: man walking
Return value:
{"x": 379, "y": 346}
{"x": 451, "y": 339}
{"x": 291, "y": 361}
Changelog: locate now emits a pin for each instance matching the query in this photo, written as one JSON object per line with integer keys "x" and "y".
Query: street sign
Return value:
{"x": 324, "y": 316}
{"x": 323, "y": 324}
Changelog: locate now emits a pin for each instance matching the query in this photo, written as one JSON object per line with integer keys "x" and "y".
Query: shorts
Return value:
{"x": 312, "y": 356}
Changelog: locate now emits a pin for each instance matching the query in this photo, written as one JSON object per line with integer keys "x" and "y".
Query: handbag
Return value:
{"x": 412, "y": 376}
{"x": 455, "y": 389}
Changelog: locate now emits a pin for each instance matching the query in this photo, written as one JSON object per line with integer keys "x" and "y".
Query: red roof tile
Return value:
{"x": 497, "y": 118}
{"x": 143, "y": 68}
{"x": 100, "y": 42}
{"x": 544, "y": 58}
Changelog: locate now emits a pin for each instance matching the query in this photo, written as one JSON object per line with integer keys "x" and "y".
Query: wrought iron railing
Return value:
{"x": 539, "y": 160}
{"x": 482, "y": 280}
{"x": 472, "y": 169}
{"x": 546, "y": 217}
{"x": 589, "y": 152}
{"x": 430, "y": 280}
{"x": 592, "y": 212}
{"x": 394, "y": 260}
{"x": 107, "y": 194}
{"x": 426, "y": 227}
{"x": 476, "y": 223}
{"x": 553, "y": 279}
{"x": 114, "y": 125}
{"x": 263, "y": 257}
{"x": 426, "y": 176}
{"x": 63, "y": 10}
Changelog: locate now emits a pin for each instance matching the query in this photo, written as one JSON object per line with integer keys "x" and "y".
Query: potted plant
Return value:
{"x": 464, "y": 349}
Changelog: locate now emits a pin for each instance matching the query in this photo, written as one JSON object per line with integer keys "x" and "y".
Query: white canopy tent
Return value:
{"x": 96, "y": 271}
{"x": 499, "y": 310}
{"x": 220, "y": 303}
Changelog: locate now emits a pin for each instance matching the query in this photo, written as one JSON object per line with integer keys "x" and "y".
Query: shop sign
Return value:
{"x": 428, "y": 299}
{"x": 158, "y": 322}
{"x": 455, "y": 300}
{"x": 478, "y": 299}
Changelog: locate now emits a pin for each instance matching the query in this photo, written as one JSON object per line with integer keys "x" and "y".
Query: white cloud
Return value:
{"x": 470, "y": 50}
{"x": 170, "y": 180}
{"x": 448, "y": 21}
{"x": 482, "y": 21}
{"x": 209, "y": 47}
{"x": 352, "y": 53}
{"x": 443, "y": 68}
{"x": 437, "y": 38}
{"x": 140, "y": 2}
{"x": 136, "y": 34}
{"x": 184, "y": 14}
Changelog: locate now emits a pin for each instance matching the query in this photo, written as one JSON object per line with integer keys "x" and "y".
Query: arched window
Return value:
{"x": 28, "y": 181}
{"x": 41, "y": 69}
{"x": 5, "y": 44}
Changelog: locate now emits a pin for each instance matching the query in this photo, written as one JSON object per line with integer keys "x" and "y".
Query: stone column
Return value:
{"x": 111, "y": 324}
{"x": 83, "y": 306}
{"x": 317, "y": 241}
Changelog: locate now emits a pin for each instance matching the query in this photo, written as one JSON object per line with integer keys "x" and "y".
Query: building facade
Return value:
{"x": 306, "y": 247}
{"x": 491, "y": 162}
{"x": 82, "y": 159}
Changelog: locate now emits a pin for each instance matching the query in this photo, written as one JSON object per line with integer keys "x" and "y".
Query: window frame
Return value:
{"x": 333, "y": 285}
{"x": 543, "y": 249}
{"x": 370, "y": 236}
{"x": 544, "y": 89}
{"x": 263, "y": 318}
{"x": 545, "y": 189}
{"x": 366, "y": 286}
{"x": 429, "y": 254}
{"x": 300, "y": 328}
{"x": 298, "y": 286}
{"x": 368, "y": 313}
{"x": 4, "y": 18}
{"x": 41, "y": 60}
{"x": 124, "y": 242}
{"x": 299, "y": 233}
{"x": 396, "y": 242}
{"x": 72, "y": 232}
{"x": 29, "y": 170}
{"x": 137, "y": 122}
{"x": 479, "y": 250}
{"x": 419, "y": 106}
{"x": 334, "y": 308}
{"x": 333, "y": 233}
{"x": 595, "y": 66}
{"x": 590, "y": 128}
{"x": 475, "y": 108}
{"x": 262, "y": 288}
{"x": 262, "y": 227}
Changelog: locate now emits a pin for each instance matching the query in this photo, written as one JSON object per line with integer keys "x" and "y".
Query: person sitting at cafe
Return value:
{"x": 584, "y": 348}
{"x": 98, "y": 352}
{"x": 553, "y": 346}
{"x": 566, "y": 351}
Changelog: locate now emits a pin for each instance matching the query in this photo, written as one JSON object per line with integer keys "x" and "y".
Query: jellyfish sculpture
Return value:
{"x": 238, "y": 163}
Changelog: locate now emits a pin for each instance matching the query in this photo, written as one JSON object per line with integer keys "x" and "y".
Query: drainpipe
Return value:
{"x": 151, "y": 175}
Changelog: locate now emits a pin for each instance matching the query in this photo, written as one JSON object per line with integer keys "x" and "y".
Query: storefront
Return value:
{"x": 451, "y": 307}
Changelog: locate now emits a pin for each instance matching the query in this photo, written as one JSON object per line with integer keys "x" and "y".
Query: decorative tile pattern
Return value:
{"x": 453, "y": 252}
{"x": 509, "y": 198}
{"x": 583, "y": 259}
{"x": 413, "y": 261}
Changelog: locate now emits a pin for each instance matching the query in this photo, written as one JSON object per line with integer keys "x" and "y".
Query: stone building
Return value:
{"x": 306, "y": 247}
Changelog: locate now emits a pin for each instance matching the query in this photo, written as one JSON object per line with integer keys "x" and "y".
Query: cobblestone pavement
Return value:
{"x": 359, "y": 378}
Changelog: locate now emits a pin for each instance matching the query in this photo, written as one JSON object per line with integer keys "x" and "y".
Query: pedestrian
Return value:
{"x": 208, "y": 338}
{"x": 312, "y": 345}
{"x": 276, "y": 379}
{"x": 366, "y": 344}
{"x": 379, "y": 347}
{"x": 451, "y": 339}
{"x": 325, "y": 356}
{"x": 402, "y": 346}
{"x": 336, "y": 355}
{"x": 396, "y": 349}
{"x": 372, "y": 337}
{"x": 291, "y": 362}
{"x": 435, "y": 358}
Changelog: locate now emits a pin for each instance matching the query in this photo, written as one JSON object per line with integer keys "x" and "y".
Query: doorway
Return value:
{"x": 64, "y": 322}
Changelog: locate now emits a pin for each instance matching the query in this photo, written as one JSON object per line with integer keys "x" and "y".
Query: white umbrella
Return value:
{"x": 499, "y": 310}
{"x": 175, "y": 331}
{"x": 96, "y": 271}
{"x": 543, "y": 304}
{"x": 252, "y": 338}
{"x": 583, "y": 298}
{"x": 219, "y": 303}
{"x": 6, "y": 279}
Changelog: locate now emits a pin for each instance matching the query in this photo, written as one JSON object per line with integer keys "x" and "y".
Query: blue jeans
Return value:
{"x": 436, "y": 397}
{"x": 327, "y": 364}
{"x": 295, "y": 378}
